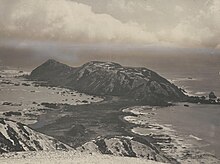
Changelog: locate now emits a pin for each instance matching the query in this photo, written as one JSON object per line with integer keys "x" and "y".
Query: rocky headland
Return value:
{"x": 97, "y": 122}
{"x": 110, "y": 79}
{"x": 138, "y": 84}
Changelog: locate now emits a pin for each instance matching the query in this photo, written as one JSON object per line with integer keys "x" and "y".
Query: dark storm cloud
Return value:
{"x": 29, "y": 54}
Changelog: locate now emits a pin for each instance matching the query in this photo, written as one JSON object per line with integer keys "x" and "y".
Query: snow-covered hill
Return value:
{"x": 15, "y": 136}
{"x": 108, "y": 78}
{"x": 124, "y": 146}
{"x": 21, "y": 144}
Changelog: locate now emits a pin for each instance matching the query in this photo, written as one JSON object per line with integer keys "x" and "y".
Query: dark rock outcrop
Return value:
{"x": 212, "y": 95}
{"x": 11, "y": 113}
{"x": 53, "y": 72}
{"x": 108, "y": 78}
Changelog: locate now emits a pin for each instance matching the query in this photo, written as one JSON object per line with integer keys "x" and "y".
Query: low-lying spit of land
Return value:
{"x": 24, "y": 100}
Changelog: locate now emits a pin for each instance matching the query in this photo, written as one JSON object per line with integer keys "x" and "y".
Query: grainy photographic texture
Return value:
{"x": 110, "y": 81}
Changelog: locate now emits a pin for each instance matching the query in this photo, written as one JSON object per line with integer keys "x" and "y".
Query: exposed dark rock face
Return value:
{"x": 113, "y": 79}
{"x": 15, "y": 136}
{"x": 107, "y": 78}
{"x": 52, "y": 71}
{"x": 11, "y": 113}
{"x": 123, "y": 146}
{"x": 212, "y": 95}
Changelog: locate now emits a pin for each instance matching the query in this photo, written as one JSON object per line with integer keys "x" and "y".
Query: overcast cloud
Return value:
{"x": 190, "y": 23}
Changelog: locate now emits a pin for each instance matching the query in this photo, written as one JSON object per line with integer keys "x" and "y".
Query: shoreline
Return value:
{"x": 167, "y": 138}
{"x": 104, "y": 118}
{"x": 159, "y": 142}
{"x": 23, "y": 100}
{"x": 120, "y": 128}
{"x": 187, "y": 118}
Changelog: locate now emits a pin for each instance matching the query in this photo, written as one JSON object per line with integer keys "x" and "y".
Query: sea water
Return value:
{"x": 201, "y": 122}
{"x": 198, "y": 121}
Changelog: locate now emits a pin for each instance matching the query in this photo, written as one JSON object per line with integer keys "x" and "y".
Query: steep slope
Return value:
{"x": 52, "y": 71}
{"x": 15, "y": 136}
{"x": 108, "y": 78}
{"x": 123, "y": 146}
{"x": 104, "y": 78}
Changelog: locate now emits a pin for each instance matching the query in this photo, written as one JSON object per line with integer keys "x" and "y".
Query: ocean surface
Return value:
{"x": 196, "y": 81}
{"x": 201, "y": 122}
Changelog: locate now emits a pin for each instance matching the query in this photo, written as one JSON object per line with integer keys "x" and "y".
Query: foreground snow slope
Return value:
{"x": 15, "y": 136}
{"x": 123, "y": 146}
{"x": 70, "y": 157}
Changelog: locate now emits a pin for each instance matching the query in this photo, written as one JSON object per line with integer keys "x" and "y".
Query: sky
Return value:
{"x": 83, "y": 30}
{"x": 179, "y": 22}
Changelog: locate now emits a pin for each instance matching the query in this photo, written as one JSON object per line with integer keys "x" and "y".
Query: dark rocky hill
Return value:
{"x": 108, "y": 78}
{"x": 52, "y": 72}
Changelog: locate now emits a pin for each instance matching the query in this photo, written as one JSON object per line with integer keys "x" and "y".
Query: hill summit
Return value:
{"x": 109, "y": 78}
